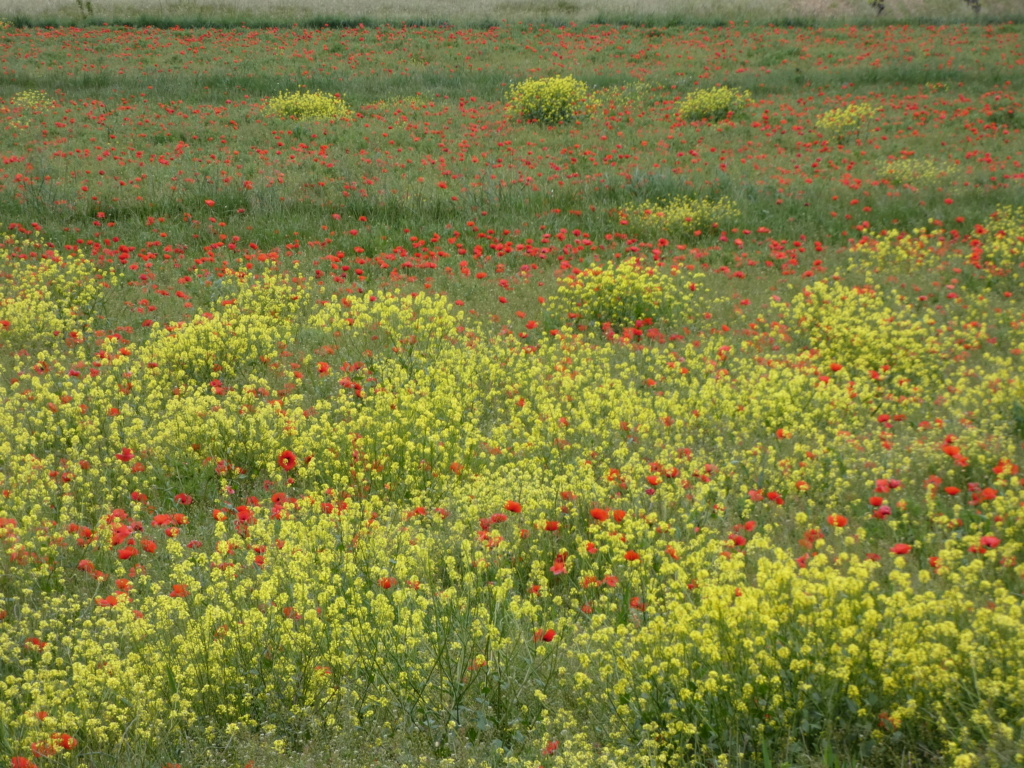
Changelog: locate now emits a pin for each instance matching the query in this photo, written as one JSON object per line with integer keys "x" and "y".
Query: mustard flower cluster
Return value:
{"x": 308, "y": 105}
{"x": 713, "y": 103}
{"x": 622, "y": 293}
{"x": 679, "y": 216}
{"x": 915, "y": 170}
{"x": 996, "y": 248}
{"x": 30, "y": 99}
{"x": 842, "y": 122}
{"x": 685, "y": 538}
{"x": 548, "y": 100}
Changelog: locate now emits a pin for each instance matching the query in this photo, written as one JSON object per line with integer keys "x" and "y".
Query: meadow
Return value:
{"x": 576, "y": 396}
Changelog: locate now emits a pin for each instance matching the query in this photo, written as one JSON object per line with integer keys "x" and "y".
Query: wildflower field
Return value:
{"x": 574, "y": 397}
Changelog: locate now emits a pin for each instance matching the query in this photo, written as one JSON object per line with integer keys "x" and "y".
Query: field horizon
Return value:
{"x": 455, "y": 12}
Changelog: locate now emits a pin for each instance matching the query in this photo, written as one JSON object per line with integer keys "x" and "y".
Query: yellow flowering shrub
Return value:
{"x": 45, "y": 294}
{"x": 548, "y": 100}
{"x": 621, "y": 293}
{"x": 713, "y": 103}
{"x": 993, "y": 248}
{"x": 308, "y": 105}
{"x": 679, "y": 216}
{"x": 915, "y": 170}
{"x": 31, "y": 99}
{"x": 842, "y": 122}
{"x": 863, "y": 328}
{"x": 299, "y": 514}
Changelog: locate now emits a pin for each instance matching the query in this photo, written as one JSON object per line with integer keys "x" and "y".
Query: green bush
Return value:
{"x": 712, "y": 103}
{"x": 548, "y": 100}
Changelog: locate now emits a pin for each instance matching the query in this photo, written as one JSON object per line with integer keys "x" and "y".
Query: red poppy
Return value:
{"x": 179, "y": 590}
{"x": 513, "y": 506}
{"x": 546, "y": 635}
{"x": 286, "y": 460}
{"x": 551, "y": 525}
{"x": 22, "y": 762}
{"x": 631, "y": 555}
{"x": 66, "y": 741}
{"x": 837, "y": 521}
{"x": 900, "y": 549}
{"x": 599, "y": 514}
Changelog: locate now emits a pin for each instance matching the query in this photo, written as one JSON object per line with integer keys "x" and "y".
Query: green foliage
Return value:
{"x": 548, "y": 100}
{"x": 309, "y": 105}
{"x": 712, "y": 103}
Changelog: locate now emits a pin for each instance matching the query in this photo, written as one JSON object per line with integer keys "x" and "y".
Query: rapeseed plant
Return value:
{"x": 713, "y": 103}
{"x": 548, "y": 100}
{"x": 308, "y": 105}
{"x": 680, "y": 217}
{"x": 842, "y": 122}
